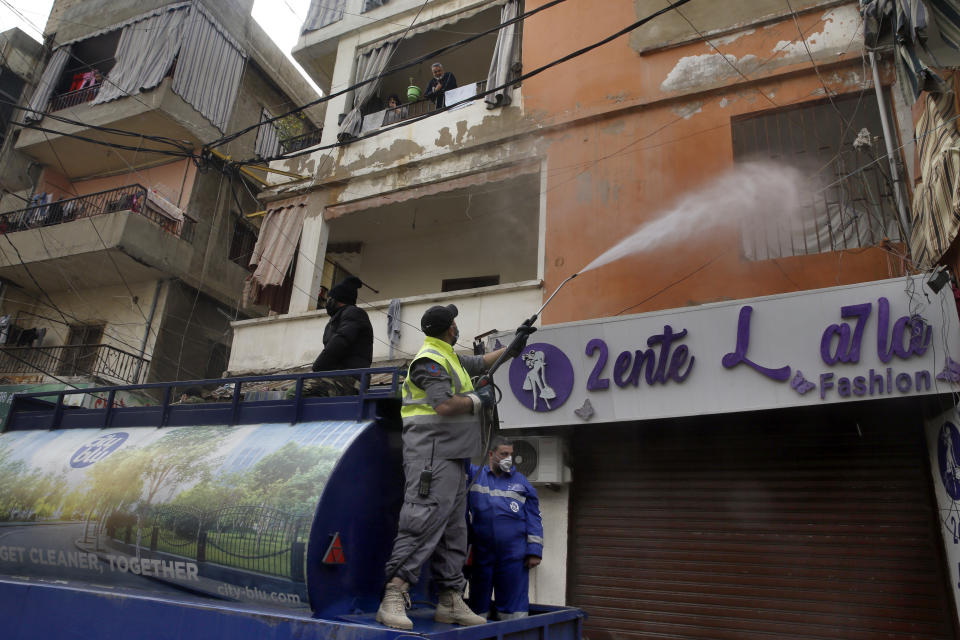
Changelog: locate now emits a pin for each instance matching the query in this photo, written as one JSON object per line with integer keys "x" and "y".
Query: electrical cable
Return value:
{"x": 488, "y": 91}
{"x": 103, "y": 143}
{"x": 180, "y": 144}
{"x": 410, "y": 63}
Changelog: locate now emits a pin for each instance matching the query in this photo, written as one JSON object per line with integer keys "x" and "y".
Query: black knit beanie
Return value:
{"x": 346, "y": 291}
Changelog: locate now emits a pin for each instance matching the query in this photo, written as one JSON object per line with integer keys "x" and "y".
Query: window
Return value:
{"x": 458, "y": 284}
{"x": 11, "y": 86}
{"x": 80, "y": 352}
{"x": 244, "y": 239}
{"x": 845, "y": 209}
{"x": 90, "y": 61}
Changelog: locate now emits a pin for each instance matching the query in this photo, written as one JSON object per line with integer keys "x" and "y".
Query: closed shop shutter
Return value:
{"x": 753, "y": 528}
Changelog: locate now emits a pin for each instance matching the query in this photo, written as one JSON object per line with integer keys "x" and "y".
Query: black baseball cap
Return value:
{"x": 437, "y": 319}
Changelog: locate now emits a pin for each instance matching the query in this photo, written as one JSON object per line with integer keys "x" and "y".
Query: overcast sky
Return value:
{"x": 281, "y": 19}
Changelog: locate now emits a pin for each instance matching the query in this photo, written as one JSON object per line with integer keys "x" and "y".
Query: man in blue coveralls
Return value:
{"x": 506, "y": 531}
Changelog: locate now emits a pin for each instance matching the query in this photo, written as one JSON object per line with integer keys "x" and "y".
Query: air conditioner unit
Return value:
{"x": 540, "y": 459}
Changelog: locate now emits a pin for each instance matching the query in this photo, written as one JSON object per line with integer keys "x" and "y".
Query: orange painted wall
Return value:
{"x": 626, "y": 150}
{"x": 174, "y": 179}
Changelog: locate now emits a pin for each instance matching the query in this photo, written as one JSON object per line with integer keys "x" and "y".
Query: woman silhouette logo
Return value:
{"x": 542, "y": 377}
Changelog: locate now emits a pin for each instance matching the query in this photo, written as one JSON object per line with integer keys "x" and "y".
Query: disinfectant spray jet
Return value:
{"x": 751, "y": 190}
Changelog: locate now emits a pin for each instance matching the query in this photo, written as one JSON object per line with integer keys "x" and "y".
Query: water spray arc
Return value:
{"x": 486, "y": 379}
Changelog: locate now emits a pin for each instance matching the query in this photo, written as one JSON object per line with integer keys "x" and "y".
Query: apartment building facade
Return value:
{"x": 124, "y": 256}
{"x": 740, "y": 424}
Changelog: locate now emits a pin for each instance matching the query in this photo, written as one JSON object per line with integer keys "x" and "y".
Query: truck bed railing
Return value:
{"x": 48, "y": 409}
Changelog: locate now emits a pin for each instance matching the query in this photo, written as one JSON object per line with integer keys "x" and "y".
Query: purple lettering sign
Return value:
{"x": 739, "y": 355}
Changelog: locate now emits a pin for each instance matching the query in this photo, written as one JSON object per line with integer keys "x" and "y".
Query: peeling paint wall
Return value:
{"x": 627, "y": 134}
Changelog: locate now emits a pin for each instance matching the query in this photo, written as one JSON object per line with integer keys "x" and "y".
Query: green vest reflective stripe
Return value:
{"x": 414, "y": 398}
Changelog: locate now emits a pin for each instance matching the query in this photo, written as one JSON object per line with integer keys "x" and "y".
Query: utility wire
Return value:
{"x": 488, "y": 91}
{"x": 410, "y": 63}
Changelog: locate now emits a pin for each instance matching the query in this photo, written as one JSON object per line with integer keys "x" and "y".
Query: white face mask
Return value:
{"x": 506, "y": 464}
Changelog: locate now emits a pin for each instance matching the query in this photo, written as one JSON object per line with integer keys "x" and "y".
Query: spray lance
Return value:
{"x": 521, "y": 335}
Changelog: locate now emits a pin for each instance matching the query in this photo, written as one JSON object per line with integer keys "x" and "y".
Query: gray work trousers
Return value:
{"x": 433, "y": 527}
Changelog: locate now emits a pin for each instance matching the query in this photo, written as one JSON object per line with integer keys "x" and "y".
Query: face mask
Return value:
{"x": 506, "y": 464}
{"x": 331, "y": 306}
{"x": 456, "y": 335}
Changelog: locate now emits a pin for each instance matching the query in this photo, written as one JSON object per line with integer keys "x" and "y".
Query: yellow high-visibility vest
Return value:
{"x": 414, "y": 398}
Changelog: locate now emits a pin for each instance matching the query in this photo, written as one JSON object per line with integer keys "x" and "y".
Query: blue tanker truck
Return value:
{"x": 248, "y": 517}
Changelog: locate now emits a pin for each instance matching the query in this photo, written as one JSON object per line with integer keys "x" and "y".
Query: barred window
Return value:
{"x": 849, "y": 198}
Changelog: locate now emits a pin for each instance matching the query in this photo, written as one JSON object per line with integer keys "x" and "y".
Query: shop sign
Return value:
{"x": 885, "y": 339}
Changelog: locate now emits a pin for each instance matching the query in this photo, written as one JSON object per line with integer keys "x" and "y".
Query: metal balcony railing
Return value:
{"x": 131, "y": 198}
{"x": 296, "y": 143}
{"x": 73, "y": 98}
{"x": 101, "y": 360}
{"x": 418, "y": 108}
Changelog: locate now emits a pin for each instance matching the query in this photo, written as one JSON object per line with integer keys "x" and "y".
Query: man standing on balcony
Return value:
{"x": 441, "y": 431}
{"x": 347, "y": 342}
{"x": 441, "y": 81}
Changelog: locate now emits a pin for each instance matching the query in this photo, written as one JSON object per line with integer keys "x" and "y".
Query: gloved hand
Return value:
{"x": 487, "y": 395}
{"x": 520, "y": 341}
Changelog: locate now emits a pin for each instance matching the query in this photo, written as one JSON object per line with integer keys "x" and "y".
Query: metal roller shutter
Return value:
{"x": 757, "y": 529}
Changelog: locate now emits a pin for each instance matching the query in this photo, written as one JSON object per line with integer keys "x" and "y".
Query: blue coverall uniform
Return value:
{"x": 505, "y": 528}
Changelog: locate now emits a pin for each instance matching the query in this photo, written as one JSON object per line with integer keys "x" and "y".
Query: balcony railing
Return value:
{"x": 407, "y": 111}
{"x": 296, "y": 143}
{"x": 99, "y": 360}
{"x": 129, "y": 198}
{"x": 73, "y": 98}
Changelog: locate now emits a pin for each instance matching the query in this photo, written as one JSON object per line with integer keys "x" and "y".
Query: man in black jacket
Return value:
{"x": 347, "y": 342}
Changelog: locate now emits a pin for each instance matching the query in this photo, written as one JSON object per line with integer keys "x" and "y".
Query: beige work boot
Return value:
{"x": 451, "y": 609}
{"x": 392, "y": 612}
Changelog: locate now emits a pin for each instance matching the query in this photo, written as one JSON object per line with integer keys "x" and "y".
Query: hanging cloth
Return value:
{"x": 209, "y": 68}
{"x": 51, "y": 75}
{"x": 504, "y": 56}
{"x": 322, "y": 13}
{"x": 144, "y": 54}
{"x": 371, "y": 64}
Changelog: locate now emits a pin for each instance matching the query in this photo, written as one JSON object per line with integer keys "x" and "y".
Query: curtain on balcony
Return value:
{"x": 209, "y": 69}
{"x": 322, "y": 13}
{"x": 268, "y": 138}
{"x": 276, "y": 244}
{"x": 370, "y": 5}
{"x": 505, "y": 54}
{"x": 144, "y": 55}
{"x": 49, "y": 79}
{"x": 370, "y": 65}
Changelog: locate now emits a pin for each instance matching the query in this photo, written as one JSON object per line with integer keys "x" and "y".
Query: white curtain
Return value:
{"x": 504, "y": 54}
{"x": 371, "y": 64}
{"x": 144, "y": 55}
{"x": 276, "y": 244}
{"x": 322, "y": 13}
{"x": 209, "y": 69}
{"x": 268, "y": 138}
{"x": 48, "y": 81}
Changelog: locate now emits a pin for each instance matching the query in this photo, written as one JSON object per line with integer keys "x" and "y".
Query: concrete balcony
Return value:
{"x": 294, "y": 340}
{"x": 101, "y": 239}
{"x": 158, "y": 112}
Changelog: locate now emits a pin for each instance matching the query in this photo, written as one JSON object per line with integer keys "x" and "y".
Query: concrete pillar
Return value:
{"x": 313, "y": 250}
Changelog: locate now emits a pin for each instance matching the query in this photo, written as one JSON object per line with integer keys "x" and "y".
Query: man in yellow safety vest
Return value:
{"x": 441, "y": 431}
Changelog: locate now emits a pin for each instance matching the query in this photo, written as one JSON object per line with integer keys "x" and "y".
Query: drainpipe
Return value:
{"x": 146, "y": 334}
{"x": 891, "y": 152}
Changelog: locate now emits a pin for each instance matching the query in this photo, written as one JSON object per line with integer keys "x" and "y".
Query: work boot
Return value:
{"x": 392, "y": 612}
{"x": 451, "y": 609}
